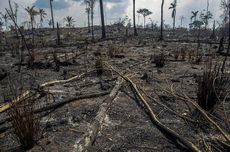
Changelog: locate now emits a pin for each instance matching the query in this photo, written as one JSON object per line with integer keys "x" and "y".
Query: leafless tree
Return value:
{"x": 162, "y": 19}
{"x": 52, "y": 15}
{"x": 134, "y": 18}
{"x": 102, "y": 20}
{"x": 92, "y": 5}
{"x": 87, "y": 9}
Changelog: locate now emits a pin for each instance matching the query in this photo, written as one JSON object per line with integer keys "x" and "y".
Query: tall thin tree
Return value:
{"x": 69, "y": 21}
{"x": 87, "y": 10}
{"x": 145, "y": 12}
{"x": 194, "y": 16}
{"x": 92, "y": 5}
{"x": 181, "y": 21}
{"x": 207, "y": 14}
{"x": 102, "y": 20}
{"x": 15, "y": 12}
{"x": 52, "y": 15}
{"x": 5, "y": 17}
{"x": 173, "y": 7}
{"x": 42, "y": 15}
{"x": 134, "y": 18}
{"x": 162, "y": 20}
{"x": 32, "y": 13}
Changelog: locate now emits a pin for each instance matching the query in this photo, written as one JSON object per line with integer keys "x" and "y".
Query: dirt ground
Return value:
{"x": 126, "y": 126}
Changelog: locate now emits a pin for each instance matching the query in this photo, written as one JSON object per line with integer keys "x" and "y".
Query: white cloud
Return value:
{"x": 114, "y": 9}
{"x": 184, "y": 8}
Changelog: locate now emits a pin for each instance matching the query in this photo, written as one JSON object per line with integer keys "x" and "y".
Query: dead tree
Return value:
{"x": 102, "y": 20}
{"x": 52, "y": 15}
{"x": 134, "y": 18}
{"x": 92, "y": 5}
{"x": 162, "y": 20}
{"x": 58, "y": 35}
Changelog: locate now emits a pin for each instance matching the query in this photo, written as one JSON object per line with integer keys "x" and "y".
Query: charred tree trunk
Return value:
{"x": 89, "y": 23}
{"x": 52, "y": 15}
{"x": 134, "y": 18}
{"x": 198, "y": 37}
{"x": 174, "y": 22}
{"x": 58, "y": 35}
{"x": 162, "y": 20}
{"x": 102, "y": 20}
{"x": 221, "y": 45}
{"x": 213, "y": 36}
{"x": 32, "y": 28}
{"x": 92, "y": 28}
{"x": 88, "y": 16}
{"x": 206, "y": 22}
{"x": 144, "y": 22}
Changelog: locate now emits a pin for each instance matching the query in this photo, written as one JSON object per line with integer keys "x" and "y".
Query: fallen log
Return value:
{"x": 62, "y": 103}
{"x": 194, "y": 103}
{"x": 56, "y": 106}
{"x": 173, "y": 136}
{"x": 65, "y": 81}
{"x": 88, "y": 138}
{"x": 6, "y": 106}
{"x": 224, "y": 54}
{"x": 169, "y": 133}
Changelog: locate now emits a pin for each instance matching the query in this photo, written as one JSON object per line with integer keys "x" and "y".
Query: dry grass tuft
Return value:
{"x": 211, "y": 87}
{"x": 183, "y": 53}
{"x": 112, "y": 51}
{"x": 26, "y": 125}
{"x": 176, "y": 55}
{"x": 115, "y": 50}
{"x": 159, "y": 60}
{"x": 57, "y": 62}
{"x": 99, "y": 66}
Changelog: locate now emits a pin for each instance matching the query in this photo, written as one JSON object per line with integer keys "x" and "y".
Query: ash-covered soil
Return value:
{"x": 126, "y": 125}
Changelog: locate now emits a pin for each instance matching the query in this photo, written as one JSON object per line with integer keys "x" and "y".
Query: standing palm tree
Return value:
{"x": 87, "y": 9}
{"x": 69, "y": 21}
{"x": 173, "y": 7}
{"x": 32, "y": 13}
{"x": 102, "y": 20}
{"x": 194, "y": 15}
{"x": 162, "y": 19}
{"x": 205, "y": 18}
{"x": 52, "y": 15}
{"x": 181, "y": 21}
{"x": 42, "y": 14}
{"x": 5, "y": 17}
{"x": 145, "y": 12}
{"x": 134, "y": 18}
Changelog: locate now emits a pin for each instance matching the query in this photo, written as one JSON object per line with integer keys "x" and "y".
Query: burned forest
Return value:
{"x": 112, "y": 75}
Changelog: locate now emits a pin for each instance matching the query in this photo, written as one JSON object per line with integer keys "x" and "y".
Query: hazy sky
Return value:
{"x": 114, "y": 9}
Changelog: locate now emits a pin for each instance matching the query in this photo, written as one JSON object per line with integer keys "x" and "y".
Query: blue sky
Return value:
{"x": 114, "y": 9}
